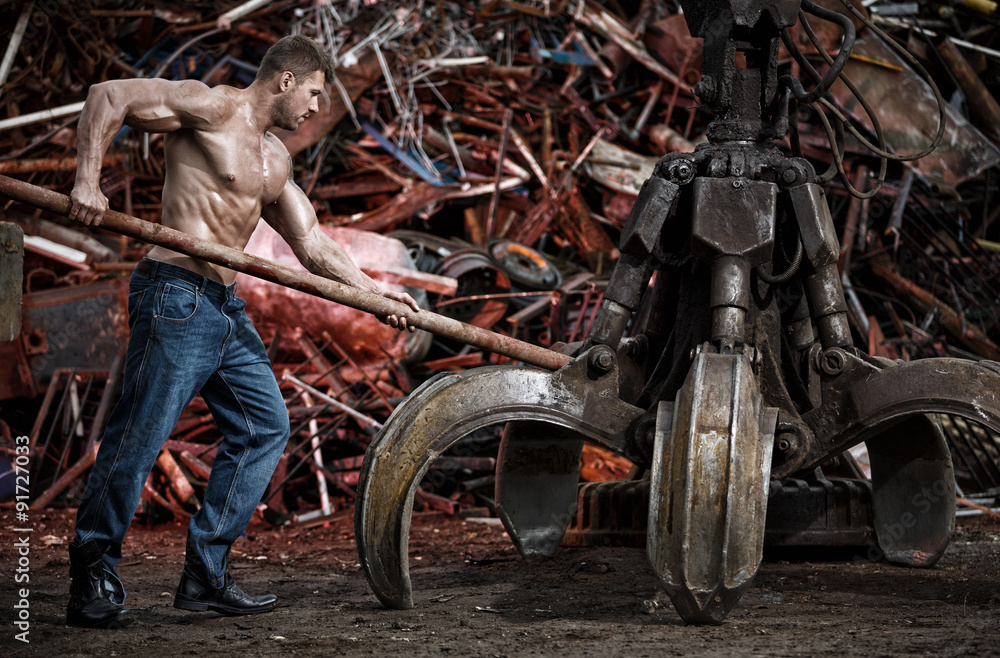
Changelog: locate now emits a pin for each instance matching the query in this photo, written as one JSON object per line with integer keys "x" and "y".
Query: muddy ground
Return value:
{"x": 476, "y": 597}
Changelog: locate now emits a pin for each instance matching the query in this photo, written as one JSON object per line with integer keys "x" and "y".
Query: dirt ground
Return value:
{"x": 476, "y": 597}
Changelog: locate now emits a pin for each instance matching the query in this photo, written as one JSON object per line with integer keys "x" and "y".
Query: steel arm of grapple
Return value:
{"x": 891, "y": 406}
{"x": 235, "y": 259}
{"x": 863, "y": 396}
{"x": 442, "y": 411}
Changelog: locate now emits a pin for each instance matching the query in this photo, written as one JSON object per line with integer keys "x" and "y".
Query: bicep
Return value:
{"x": 293, "y": 217}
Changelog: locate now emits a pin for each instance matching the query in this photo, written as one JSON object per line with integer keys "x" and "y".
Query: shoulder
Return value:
{"x": 280, "y": 156}
{"x": 276, "y": 144}
{"x": 211, "y": 104}
{"x": 192, "y": 100}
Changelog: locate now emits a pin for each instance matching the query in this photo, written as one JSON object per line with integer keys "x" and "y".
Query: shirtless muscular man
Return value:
{"x": 188, "y": 330}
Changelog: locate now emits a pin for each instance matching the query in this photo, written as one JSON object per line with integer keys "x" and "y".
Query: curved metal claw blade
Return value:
{"x": 538, "y": 472}
{"x": 442, "y": 411}
{"x": 913, "y": 491}
{"x": 886, "y": 405}
{"x": 869, "y": 396}
{"x": 708, "y": 495}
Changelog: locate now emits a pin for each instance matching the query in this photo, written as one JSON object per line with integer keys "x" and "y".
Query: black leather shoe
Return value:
{"x": 196, "y": 595}
{"x": 89, "y": 604}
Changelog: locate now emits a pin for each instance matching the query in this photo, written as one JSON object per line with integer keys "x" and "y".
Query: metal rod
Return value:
{"x": 235, "y": 259}
{"x": 957, "y": 450}
{"x": 342, "y": 353}
{"x": 495, "y": 199}
{"x": 41, "y": 115}
{"x": 337, "y": 404}
{"x": 968, "y": 431}
{"x": 15, "y": 42}
{"x": 975, "y": 455}
{"x": 985, "y": 510}
{"x": 327, "y": 431}
{"x": 244, "y": 9}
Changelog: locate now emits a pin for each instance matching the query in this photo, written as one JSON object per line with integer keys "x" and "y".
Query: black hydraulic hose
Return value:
{"x": 828, "y": 102}
{"x": 838, "y": 142}
{"x": 929, "y": 79}
{"x": 845, "y": 22}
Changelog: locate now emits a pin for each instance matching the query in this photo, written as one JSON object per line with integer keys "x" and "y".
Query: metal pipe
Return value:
{"x": 235, "y": 259}
{"x": 337, "y": 404}
{"x": 246, "y": 8}
{"x": 41, "y": 115}
{"x": 15, "y": 42}
{"x": 983, "y": 107}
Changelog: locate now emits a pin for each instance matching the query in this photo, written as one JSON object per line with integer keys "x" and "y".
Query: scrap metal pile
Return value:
{"x": 503, "y": 145}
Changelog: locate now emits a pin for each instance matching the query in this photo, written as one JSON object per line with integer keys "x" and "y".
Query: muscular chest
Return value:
{"x": 239, "y": 164}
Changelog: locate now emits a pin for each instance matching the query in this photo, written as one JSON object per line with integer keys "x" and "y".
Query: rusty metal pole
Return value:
{"x": 240, "y": 261}
{"x": 983, "y": 107}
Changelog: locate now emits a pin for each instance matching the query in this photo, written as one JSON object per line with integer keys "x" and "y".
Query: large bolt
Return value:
{"x": 832, "y": 361}
{"x": 642, "y": 436}
{"x": 681, "y": 171}
{"x": 601, "y": 360}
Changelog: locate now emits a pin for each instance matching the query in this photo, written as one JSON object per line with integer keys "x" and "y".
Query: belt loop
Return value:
{"x": 204, "y": 284}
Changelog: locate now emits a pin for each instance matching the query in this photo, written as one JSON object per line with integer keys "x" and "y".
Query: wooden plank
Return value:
{"x": 11, "y": 275}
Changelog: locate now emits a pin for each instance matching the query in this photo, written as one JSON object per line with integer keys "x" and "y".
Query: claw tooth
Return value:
{"x": 708, "y": 494}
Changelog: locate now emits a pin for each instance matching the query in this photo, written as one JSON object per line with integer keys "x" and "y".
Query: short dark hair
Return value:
{"x": 298, "y": 54}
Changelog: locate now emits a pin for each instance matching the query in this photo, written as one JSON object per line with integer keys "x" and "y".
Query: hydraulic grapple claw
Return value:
{"x": 708, "y": 496}
{"x": 448, "y": 407}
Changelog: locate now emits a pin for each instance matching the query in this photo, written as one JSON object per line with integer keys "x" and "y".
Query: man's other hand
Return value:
{"x": 399, "y": 321}
{"x": 88, "y": 205}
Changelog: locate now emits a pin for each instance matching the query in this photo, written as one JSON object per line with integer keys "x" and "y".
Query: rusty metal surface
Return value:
{"x": 907, "y": 107}
{"x": 16, "y": 380}
{"x": 983, "y": 107}
{"x": 74, "y": 327}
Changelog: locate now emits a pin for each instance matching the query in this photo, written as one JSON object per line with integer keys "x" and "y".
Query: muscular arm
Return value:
{"x": 293, "y": 217}
{"x": 148, "y": 105}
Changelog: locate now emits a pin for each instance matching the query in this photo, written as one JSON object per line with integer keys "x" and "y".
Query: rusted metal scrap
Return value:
{"x": 492, "y": 127}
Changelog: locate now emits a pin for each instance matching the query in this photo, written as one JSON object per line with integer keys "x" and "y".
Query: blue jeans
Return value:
{"x": 189, "y": 335}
